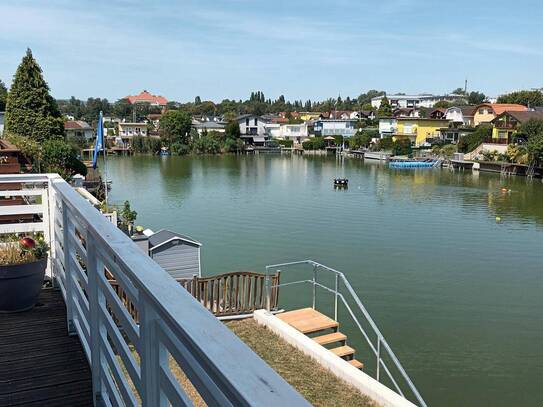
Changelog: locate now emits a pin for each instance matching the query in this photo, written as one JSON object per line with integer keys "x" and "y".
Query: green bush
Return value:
{"x": 58, "y": 156}
{"x": 314, "y": 143}
{"x": 471, "y": 141}
{"x": 385, "y": 144}
{"x": 402, "y": 146}
{"x": 141, "y": 144}
{"x": 286, "y": 143}
{"x": 209, "y": 143}
{"x": 179, "y": 149}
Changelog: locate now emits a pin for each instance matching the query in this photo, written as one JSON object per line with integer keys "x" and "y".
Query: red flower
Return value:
{"x": 27, "y": 243}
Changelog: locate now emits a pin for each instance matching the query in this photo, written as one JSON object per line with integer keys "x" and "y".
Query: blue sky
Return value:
{"x": 302, "y": 49}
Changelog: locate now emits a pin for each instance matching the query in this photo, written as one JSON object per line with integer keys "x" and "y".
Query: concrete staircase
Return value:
{"x": 323, "y": 330}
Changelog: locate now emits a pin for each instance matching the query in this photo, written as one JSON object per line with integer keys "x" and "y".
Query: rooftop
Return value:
{"x": 146, "y": 97}
{"x": 77, "y": 125}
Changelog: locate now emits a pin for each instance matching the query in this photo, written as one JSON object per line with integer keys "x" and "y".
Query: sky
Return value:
{"x": 302, "y": 49}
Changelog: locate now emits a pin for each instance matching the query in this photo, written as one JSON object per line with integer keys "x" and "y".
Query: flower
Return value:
{"x": 27, "y": 243}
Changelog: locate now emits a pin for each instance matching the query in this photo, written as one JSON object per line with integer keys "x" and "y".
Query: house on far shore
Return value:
{"x": 146, "y": 97}
{"x": 507, "y": 124}
{"x": 210, "y": 126}
{"x": 486, "y": 112}
{"x": 178, "y": 254}
{"x": 253, "y": 129}
{"x": 128, "y": 130}
{"x": 461, "y": 115}
{"x": 78, "y": 129}
{"x": 2, "y": 122}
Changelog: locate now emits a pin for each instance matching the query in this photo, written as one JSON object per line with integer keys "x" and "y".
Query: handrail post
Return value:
{"x": 336, "y": 297}
{"x": 378, "y": 357}
{"x": 66, "y": 247}
{"x": 314, "y": 286}
{"x": 96, "y": 298}
{"x": 267, "y": 286}
{"x": 153, "y": 356}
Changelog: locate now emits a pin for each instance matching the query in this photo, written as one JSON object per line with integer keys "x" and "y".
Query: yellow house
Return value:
{"x": 306, "y": 116}
{"x": 505, "y": 125}
{"x": 486, "y": 112}
{"x": 418, "y": 129}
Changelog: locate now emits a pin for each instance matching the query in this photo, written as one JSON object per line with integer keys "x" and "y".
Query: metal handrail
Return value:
{"x": 381, "y": 344}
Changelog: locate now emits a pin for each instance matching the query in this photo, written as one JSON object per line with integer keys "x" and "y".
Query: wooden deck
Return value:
{"x": 40, "y": 365}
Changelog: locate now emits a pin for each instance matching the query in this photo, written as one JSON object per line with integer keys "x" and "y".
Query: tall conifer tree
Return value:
{"x": 30, "y": 110}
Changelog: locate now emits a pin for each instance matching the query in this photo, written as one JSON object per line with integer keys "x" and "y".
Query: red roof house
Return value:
{"x": 146, "y": 97}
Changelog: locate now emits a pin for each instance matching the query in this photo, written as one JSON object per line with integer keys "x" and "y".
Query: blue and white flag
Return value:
{"x": 99, "y": 141}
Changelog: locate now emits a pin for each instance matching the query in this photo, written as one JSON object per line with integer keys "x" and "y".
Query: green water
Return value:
{"x": 458, "y": 295}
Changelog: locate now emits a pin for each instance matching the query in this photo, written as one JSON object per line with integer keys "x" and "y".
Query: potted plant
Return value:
{"x": 22, "y": 270}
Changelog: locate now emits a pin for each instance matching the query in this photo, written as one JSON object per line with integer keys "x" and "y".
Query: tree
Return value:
{"x": 442, "y": 104}
{"x": 475, "y": 98}
{"x": 402, "y": 146}
{"x": 122, "y": 109}
{"x": 471, "y": 141}
{"x": 532, "y": 131}
{"x": 232, "y": 130}
{"x": 385, "y": 110}
{"x": 3, "y": 96}
{"x": 30, "y": 110}
{"x": 57, "y": 156}
{"x": 523, "y": 97}
{"x": 458, "y": 91}
{"x": 197, "y": 100}
{"x": 175, "y": 128}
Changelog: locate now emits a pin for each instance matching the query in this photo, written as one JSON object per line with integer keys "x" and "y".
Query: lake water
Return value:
{"x": 457, "y": 294}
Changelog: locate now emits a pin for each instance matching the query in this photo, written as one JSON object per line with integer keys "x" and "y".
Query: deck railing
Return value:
{"x": 359, "y": 315}
{"x": 131, "y": 361}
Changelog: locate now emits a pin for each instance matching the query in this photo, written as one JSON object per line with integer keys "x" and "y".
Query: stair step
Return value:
{"x": 330, "y": 338}
{"x": 356, "y": 363}
{"x": 307, "y": 320}
{"x": 343, "y": 351}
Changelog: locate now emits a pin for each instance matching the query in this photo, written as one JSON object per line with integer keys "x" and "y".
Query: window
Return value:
{"x": 256, "y": 121}
{"x": 247, "y": 121}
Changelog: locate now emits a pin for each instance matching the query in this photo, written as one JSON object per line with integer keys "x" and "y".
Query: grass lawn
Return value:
{"x": 317, "y": 384}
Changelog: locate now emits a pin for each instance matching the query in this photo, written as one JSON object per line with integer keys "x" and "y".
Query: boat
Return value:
{"x": 341, "y": 183}
{"x": 413, "y": 163}
{"x": 164, "y": 151}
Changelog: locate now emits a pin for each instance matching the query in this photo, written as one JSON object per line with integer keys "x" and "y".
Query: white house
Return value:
{"x": 387, "y": 126}
{"x": 253, "y": 128}
{"x": 78, "y": 128}
{"x": 129, "y": 130}
{"x": 462, "y": 115}
{"x": 414, "y": 101}
{"x": 335, "y": 127}
{"x": 202, "y": 127}
{"x": 298, "y": 133}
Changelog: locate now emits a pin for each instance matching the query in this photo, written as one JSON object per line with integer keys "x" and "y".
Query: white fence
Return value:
{"x": 131, "y": 361}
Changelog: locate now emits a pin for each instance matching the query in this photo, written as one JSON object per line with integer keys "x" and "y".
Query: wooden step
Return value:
{"x": 343, "y": 351}
{"x": 356, "y": 363}
{"x": 330, "y": 338}
{"x": 307, "y": 320}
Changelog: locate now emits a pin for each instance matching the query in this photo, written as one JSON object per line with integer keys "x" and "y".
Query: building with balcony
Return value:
{"x": 486, "y": 112}
{"x": 461, "y": 115}
{"x": 253, "y": 129}
{"x": 506, "y": 124}
{"x": 298, "y": 133}
{"x": 78, "y": 129}
{"x": 335, "y": 127}
{"x": 414, "y": 101}
{"x": 419, "y": 130}
{"x": 126, "y": 131}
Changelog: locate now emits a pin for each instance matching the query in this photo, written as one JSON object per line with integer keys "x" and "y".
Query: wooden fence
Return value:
{"x": 226, "y": 294}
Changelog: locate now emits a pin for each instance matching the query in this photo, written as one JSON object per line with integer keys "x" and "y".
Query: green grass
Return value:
{"x": 318, "y": 385}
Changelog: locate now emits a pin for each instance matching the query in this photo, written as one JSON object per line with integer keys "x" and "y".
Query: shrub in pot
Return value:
{"x": 22, "y": 270}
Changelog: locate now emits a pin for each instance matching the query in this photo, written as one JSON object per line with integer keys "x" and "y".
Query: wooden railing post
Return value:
{"x": 67, "y": 248}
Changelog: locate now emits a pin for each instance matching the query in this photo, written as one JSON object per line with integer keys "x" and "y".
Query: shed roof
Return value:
{"x": 164, "y": 236}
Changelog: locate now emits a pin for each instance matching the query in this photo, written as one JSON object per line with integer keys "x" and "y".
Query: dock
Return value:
{"x": 40, "y": 364}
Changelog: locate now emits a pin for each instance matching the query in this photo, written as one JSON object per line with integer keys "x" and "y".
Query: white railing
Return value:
{"x": 360, "y": 316}
{"x": 131, "y": 360}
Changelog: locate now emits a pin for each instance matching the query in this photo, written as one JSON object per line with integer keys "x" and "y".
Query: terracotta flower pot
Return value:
{"x": 20, "y": 285}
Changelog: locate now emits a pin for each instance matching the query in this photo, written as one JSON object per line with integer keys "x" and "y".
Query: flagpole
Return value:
{"x": 104, "y": 146}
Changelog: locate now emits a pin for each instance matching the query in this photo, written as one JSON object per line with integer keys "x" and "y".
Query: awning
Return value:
{"x": 259, "y": 139}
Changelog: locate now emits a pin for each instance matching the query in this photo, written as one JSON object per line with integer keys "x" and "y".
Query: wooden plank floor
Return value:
{"x": 40, "y": 365}
{"x": 308, "y": 320}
